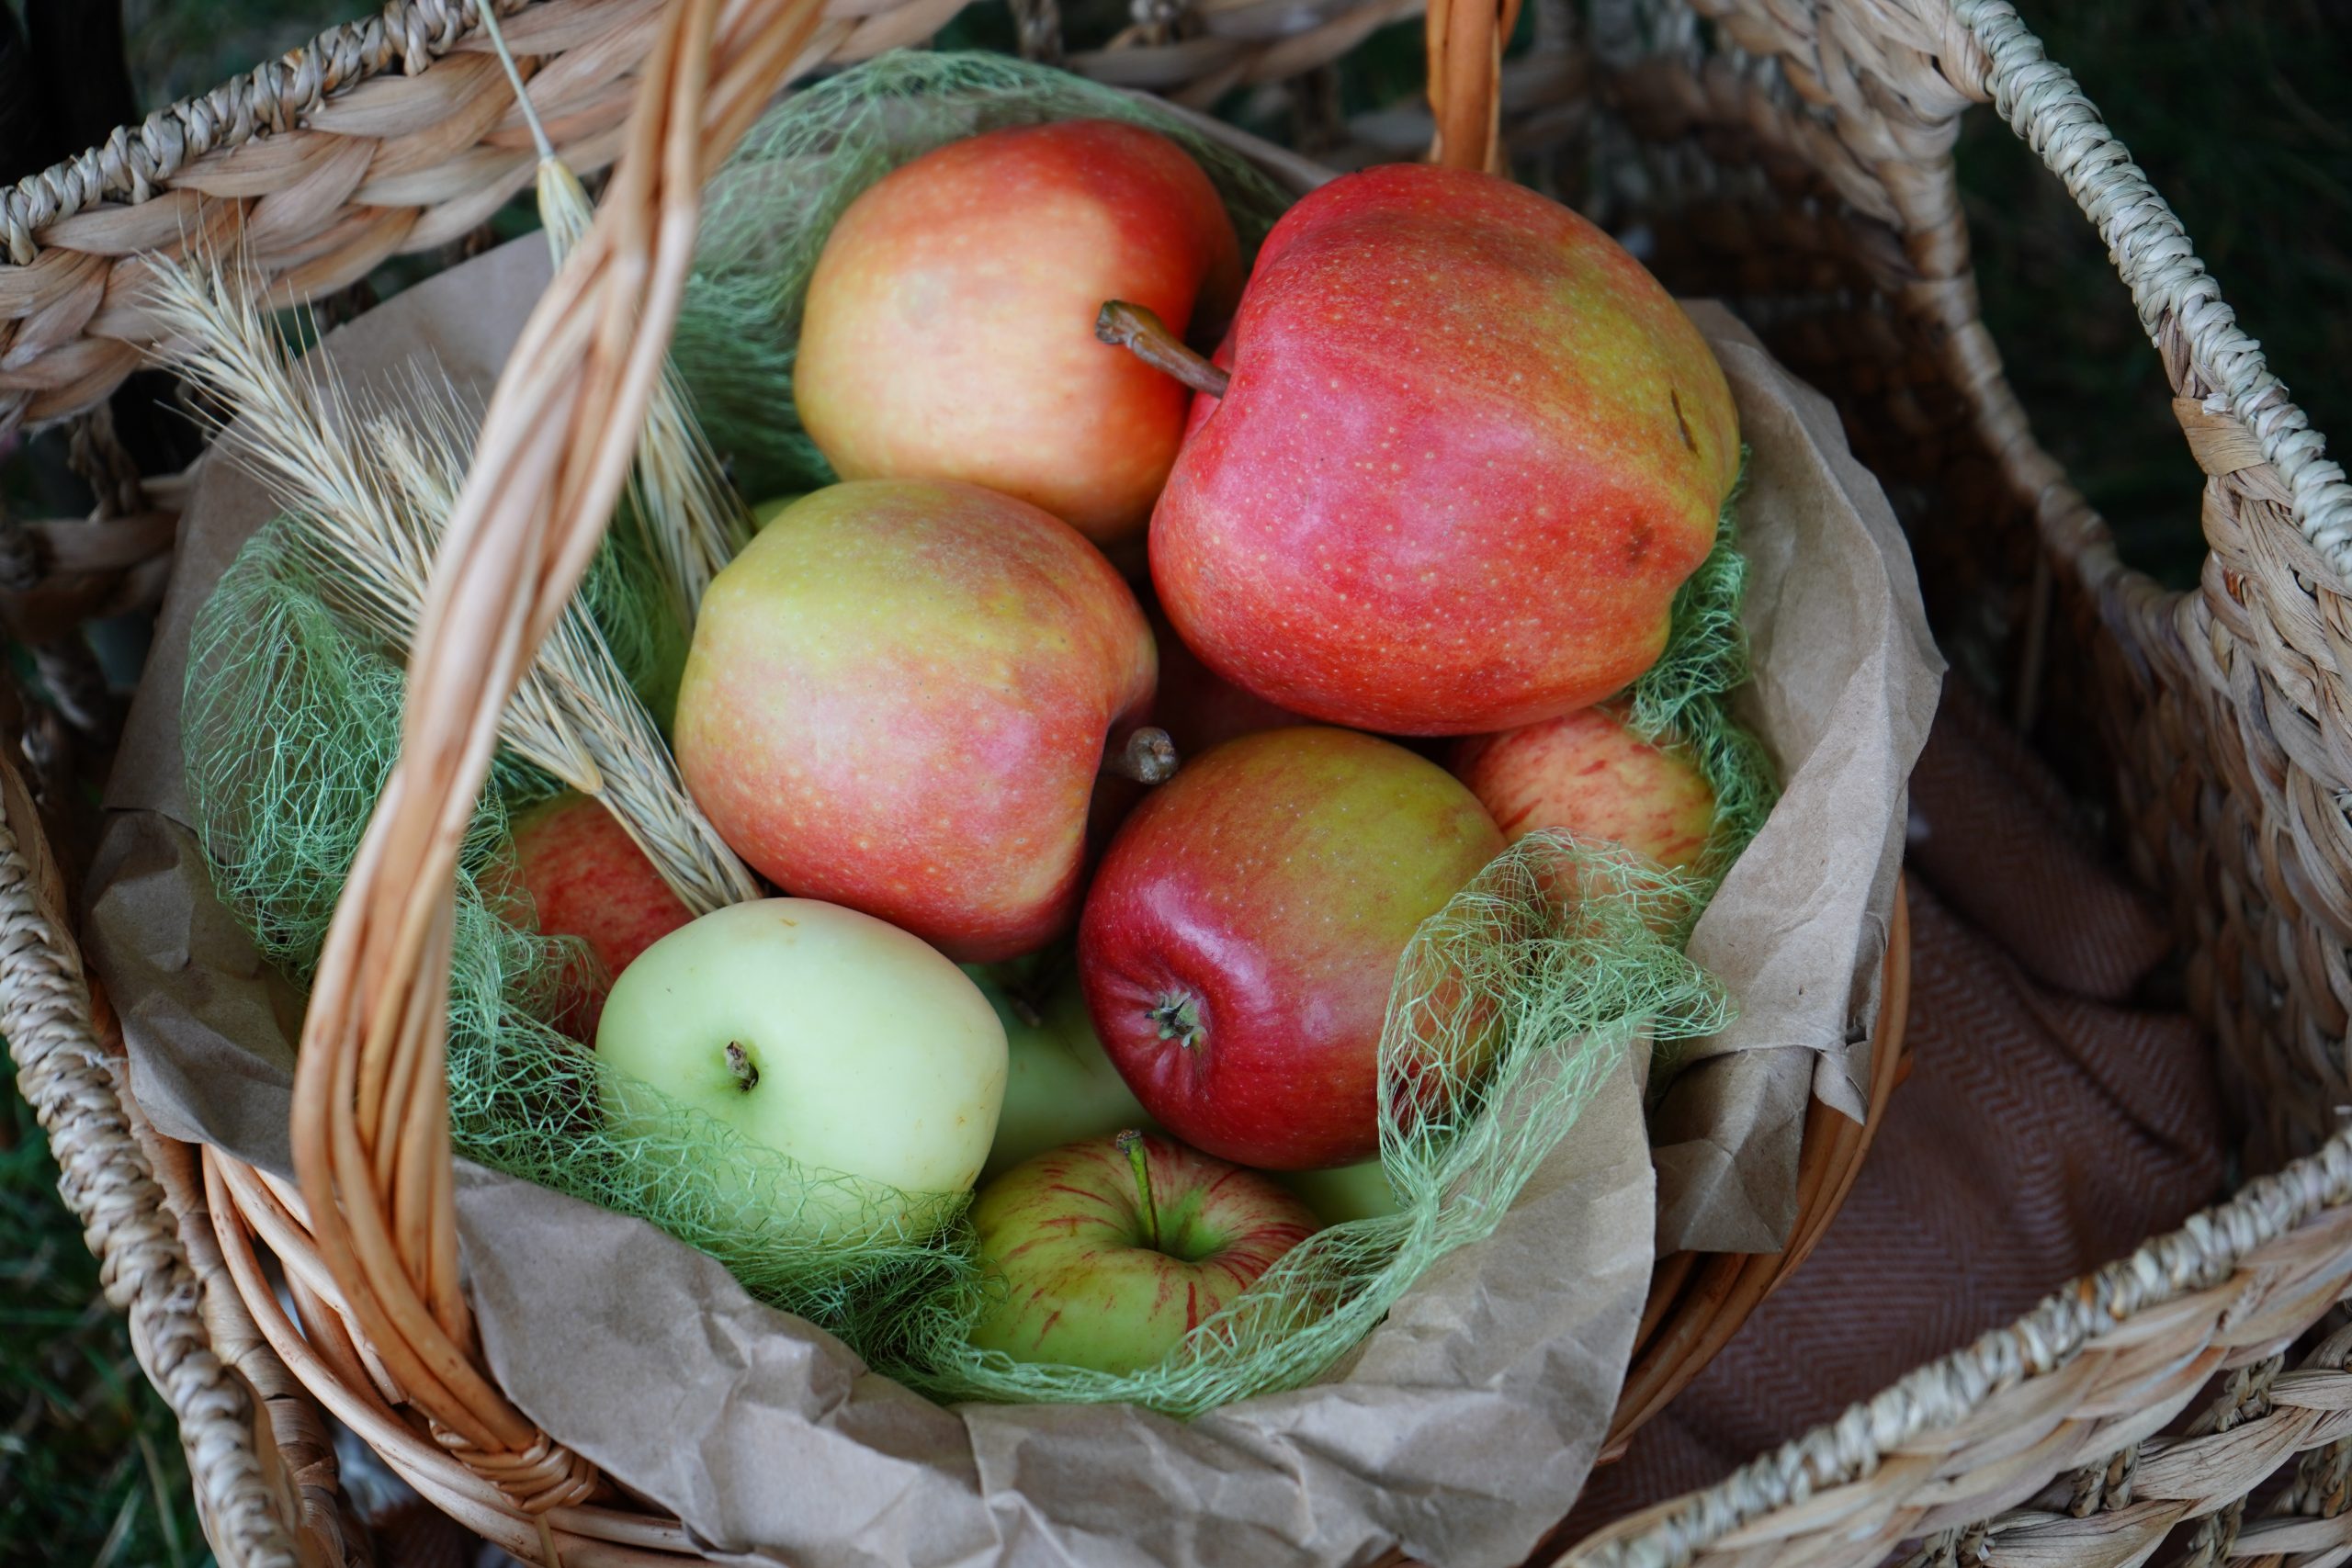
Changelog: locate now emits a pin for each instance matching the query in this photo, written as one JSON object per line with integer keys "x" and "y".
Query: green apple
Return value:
{"x": 1109, "y": 1251}
{"x": 1059, "y": 1086}
{"x": 1349, "y": 1193}
{"x": 831, "y": 1037}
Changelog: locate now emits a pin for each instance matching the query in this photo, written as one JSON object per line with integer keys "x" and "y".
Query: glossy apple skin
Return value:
{"x": 1085, "y": 1288}
{"x": 897, "y": 699}
{"x": 1587, "y": 772}
{"x": 1469, "y": 450}
{"x": 1058, "y": 1087}
{"x": 1271, "y": 887}
{"x": 585, "y": 878}
{"x": 949, "y": 331}
{"x": 876, "y": 1056}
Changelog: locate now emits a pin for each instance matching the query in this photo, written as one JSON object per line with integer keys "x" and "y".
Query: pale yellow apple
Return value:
{"x": 837, "y": 1040}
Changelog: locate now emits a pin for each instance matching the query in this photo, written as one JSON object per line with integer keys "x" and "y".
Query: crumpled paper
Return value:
{"x": 1458, "y": 1432}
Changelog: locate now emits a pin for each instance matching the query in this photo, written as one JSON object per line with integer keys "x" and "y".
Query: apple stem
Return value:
{"x": 1145, "y": 336}
{"x": 738, "y": 1062}
{"x": 1139, "y": 1161}
{"x": 1179, "y": 1018}
{"x": 1148, "y": 758}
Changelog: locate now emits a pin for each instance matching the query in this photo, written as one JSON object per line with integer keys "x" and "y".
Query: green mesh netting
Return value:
{"x": 292, "y": 724}
{"x": 1507, "y": 1012}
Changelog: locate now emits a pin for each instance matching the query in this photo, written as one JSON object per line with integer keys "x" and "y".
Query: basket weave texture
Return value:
{"x": 1793, "y": 158}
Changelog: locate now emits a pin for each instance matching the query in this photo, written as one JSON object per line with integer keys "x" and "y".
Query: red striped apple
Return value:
{"x": 1587, "y": 772}
{"x": 1114, "y": 1249}
{"x": 1244, "y": 928}
{"x": 898, "y": 698}
{"x": 948, "y": 331}
{"x": 1468, "y": 450}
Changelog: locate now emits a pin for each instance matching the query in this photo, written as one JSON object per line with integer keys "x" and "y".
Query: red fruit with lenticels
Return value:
{"x": 1241, "y": 936}
{"x": 1587, "y": 772}
{"x": 586, "y": 877}
{"x": 1468, "y": 451}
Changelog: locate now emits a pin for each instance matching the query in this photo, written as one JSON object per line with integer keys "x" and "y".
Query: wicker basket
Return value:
{"x": 1791, "y": 159}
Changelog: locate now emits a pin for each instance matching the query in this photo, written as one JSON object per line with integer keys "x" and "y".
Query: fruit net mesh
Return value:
{"x": 1507, "y": 1012}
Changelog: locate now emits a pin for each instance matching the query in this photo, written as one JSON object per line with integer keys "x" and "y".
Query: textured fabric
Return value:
{"x": 2054, "y": 1118}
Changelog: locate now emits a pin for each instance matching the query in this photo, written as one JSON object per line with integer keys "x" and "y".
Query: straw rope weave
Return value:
{"x": 108, "y": 1184}
{"x": 325, "y": 164}
{"x": 1805, "y": 164}
{"x": 2088, "y": 1379}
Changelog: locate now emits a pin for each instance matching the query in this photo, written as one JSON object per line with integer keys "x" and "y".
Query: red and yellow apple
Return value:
{"x": 1587, "y": 772}
{"x": 1112, "y": 1250}
{"x": 1468, "y": 450}
{"x": 586, "y": 877}
{"x": 898, "y": 698}
{"x": 949, "y": 326}
{"x": 1240, "y": 943}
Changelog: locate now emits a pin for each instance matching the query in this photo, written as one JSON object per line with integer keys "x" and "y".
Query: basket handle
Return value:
{"x": 1465, "y": 50}
{"x": 2179, "y": 303}
{"x": 371, "y": 1140}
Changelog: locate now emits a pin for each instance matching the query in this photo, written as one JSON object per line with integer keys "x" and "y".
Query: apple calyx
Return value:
{"x": 1145, "y": 335}
{"x": 1130, "y": 1143}
{"x": 1148, "y": 758}
{"x": 739, "y": 1063}
{"x": 1178, "y": 1015}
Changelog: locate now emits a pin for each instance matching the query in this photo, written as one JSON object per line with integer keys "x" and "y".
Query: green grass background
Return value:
{"x": 2240, "y": 113}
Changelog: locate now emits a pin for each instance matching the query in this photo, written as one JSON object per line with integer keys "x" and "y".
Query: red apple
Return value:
{"x": 1114, "y": 1249}
{"x": 1244, "y": 928}
{"x": 1468, "y": 451}
{"x": 897, "y": 699}
{"x": 1587, "y": 772}
{"x": 585, "y": 878}
{"x": 949, "y": 326}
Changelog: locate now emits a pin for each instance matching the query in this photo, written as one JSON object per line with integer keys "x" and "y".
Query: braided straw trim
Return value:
{"x": 71, "y": 1084}
{"x": 2097, "y": 1369}
{"x": 292, "y": 1442}
{"x": 323, "y": 165}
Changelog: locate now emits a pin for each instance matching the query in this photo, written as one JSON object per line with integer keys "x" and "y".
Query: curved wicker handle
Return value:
{"x": 2179, "y": 302}
{"x": 1465, "y": 51}
{"x": 370, "y": 1129}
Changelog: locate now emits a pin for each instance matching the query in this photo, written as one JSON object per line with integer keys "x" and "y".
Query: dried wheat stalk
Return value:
{"x": 375, "y": 486}
{"x": 692, "y": 521}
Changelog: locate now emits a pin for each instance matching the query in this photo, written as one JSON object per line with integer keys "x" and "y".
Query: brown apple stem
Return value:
{"x": 1147, "y": 337}
{"x": 1148, "y": 758}
{"x": 738, "y": 1062}
{"x": 1139, "y": 1161}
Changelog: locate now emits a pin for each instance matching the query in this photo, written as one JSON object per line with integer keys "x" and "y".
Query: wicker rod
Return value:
{"x": 371, "y": 1140}
{"x": 109, "y": 1186}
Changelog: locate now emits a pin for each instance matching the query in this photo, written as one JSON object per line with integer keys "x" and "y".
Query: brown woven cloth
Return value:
{"x": 2052, "y": 1119}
